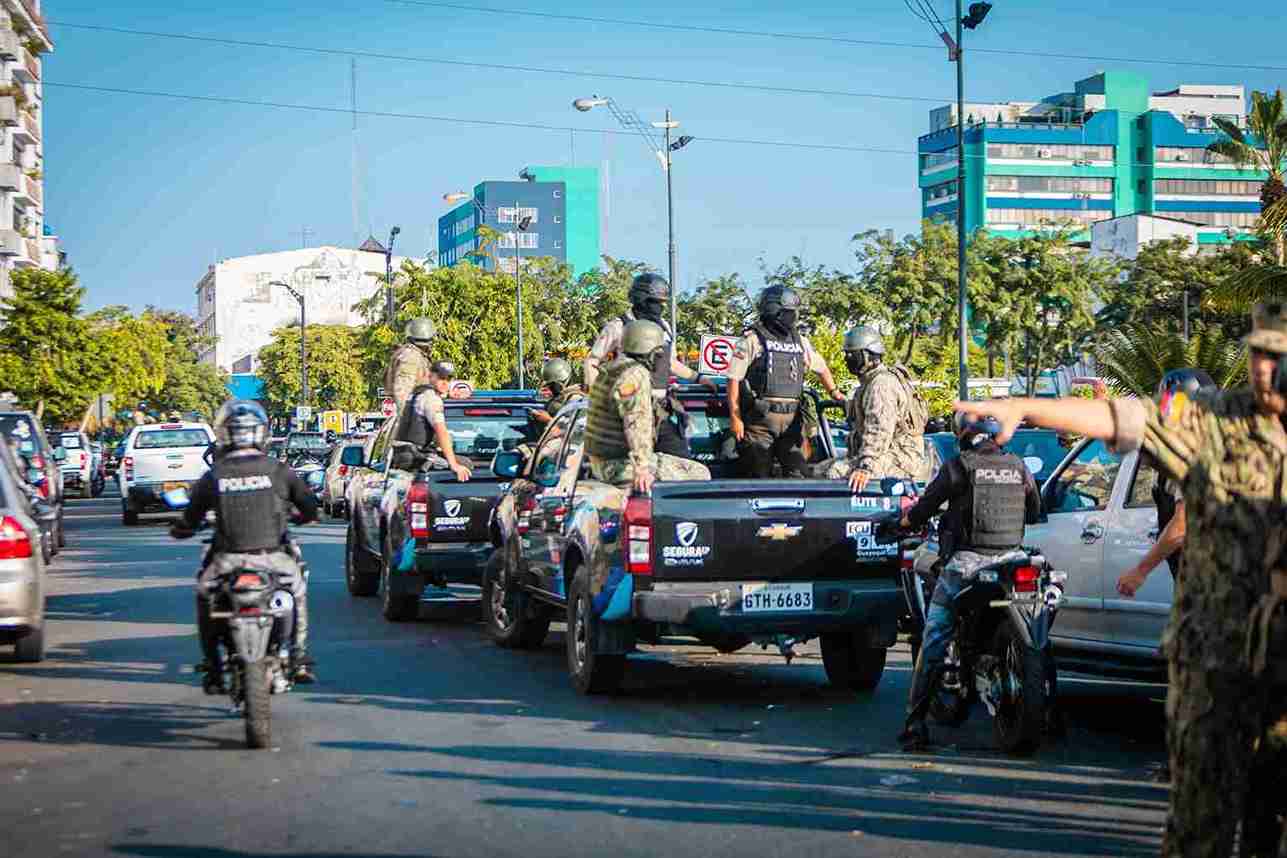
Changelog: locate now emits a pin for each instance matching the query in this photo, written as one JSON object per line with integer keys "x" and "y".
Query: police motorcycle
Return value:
{"x": 1000, "y": 653}
{"x": 254, "y": 615}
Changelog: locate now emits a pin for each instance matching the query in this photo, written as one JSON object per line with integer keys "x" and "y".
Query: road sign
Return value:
{"x": 387, "y": 406}
{"x": 379, "y": 391}
{"x": 716, "y": 353}
{"x": 303, "y": 412}
{"x": 332, "y": 421}
{"x": 460, "y": 389}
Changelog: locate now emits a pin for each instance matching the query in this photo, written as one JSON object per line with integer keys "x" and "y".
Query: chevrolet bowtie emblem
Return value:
{"x": 780, "y": 532}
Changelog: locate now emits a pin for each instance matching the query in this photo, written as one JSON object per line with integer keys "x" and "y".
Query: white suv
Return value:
{"x": 157, "y": 458}
{"x": 76, "y": 461}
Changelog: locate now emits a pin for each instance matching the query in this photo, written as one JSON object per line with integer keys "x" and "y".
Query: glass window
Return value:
{"x": 576, "y": 440}
{"x": 351, "y": 455}
{"x": 1050, "y": 151}
{"x": 1043, "y": 217}
{"x": 480, "y": 435}
{"x": 545, "y": 464}
{"x": 69, "y": 440}
{"x": 1142, "y": 487}
{"x": 311, "y": 441}
{"x": 1208, "y": 187}
{"x": 157, "y": 439}
{"x": 930, "y": 160}
{"x": 1087, "y": 482}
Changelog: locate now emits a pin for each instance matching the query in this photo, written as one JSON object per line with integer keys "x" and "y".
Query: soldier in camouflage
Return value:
{"x": 621, "y": 431}
{"x": 409, "y": 366}
{"x": 555, "y": 376}
{"x": 1227, "y": 638}
{"x": 886, "y": 416}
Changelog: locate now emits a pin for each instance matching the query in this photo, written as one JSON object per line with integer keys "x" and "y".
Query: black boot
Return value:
{"x": 915, "y": 735}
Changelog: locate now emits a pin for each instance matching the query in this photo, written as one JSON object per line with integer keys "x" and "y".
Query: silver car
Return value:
{"x": 22, "y": 571}
{"x": 344, "y": 459}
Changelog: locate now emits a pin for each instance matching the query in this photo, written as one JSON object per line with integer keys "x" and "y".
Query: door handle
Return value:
{"x": 1092, "y": 532}
{"x": 1153, "y": 534}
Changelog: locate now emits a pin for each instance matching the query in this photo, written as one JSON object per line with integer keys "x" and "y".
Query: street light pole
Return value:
{"x": 518, "y": 293}
{"x": 388, "y": 276}
{"x": 962, "y": 297}
{"x": 670, "y": 222}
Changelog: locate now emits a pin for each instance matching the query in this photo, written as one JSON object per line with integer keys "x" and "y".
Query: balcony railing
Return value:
{"x": 31, "y": 63}
{"x": 30, "y": 123}
{"x": 33, "y": 249}
{"x": 34, "y": 190}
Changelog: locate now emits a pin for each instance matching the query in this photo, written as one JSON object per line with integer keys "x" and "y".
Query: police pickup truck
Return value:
{"x": 729, "y": 562}
{"x": 408, "y": 531}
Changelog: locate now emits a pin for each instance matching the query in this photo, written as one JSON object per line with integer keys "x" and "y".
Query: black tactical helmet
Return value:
{"x": 240, "y": 425}
{"x": 556, "y": 371}
{"x": 965, "y": 426}
{"x": 421, "y": 331}
{"x": 1188, "y": 380}
{"x": 864, "y": 338}
{"x": 444, "y": 369}
{"x": 642, "y": 338}
{"x": 775, "y": 299}
{"x": 648, "y": 285}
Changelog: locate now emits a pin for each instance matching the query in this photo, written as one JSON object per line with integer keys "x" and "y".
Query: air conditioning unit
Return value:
{"x": 1045, "y": 153}
{"x": 1181, "y": 157}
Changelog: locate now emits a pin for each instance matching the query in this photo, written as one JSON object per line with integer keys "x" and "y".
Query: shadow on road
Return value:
{"x": 189, "y": 851}
{"x": 134, "y": 725}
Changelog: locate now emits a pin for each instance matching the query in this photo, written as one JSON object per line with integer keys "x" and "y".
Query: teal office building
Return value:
{"x": 560, "y": 204}
{"x": 1109, "y": 148}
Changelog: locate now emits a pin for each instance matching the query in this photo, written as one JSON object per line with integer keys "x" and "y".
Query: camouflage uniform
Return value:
{"x": 1231, "y": 462}
{"x": 620, "y": 432}
{"x": 607, "y": 348}
{"x": 568, "y": 393}
{"x": 408, "y": 368}
{"x": 886, "y": 436}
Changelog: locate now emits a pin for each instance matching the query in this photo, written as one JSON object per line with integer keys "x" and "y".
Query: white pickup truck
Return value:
{"x": 1099, "y": 521}
{"x": 157, "y": 458}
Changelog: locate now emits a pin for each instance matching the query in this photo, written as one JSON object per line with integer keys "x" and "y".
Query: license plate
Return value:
{"x": 169, "y": 487}
{"x": 761, "y": 598}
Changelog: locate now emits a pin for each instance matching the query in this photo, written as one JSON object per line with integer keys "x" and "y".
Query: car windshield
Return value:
{"x": 309, "y": 442}
{"x": 481, "y": 436}
{"x": 162, "y": 438}
{"x": 709, "y": 437}
{"x": 18, "y": 427}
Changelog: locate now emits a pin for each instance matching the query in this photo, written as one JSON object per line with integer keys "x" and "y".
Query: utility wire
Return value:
{"x": 281, "y": 46}
{"x": 811, "y": 37}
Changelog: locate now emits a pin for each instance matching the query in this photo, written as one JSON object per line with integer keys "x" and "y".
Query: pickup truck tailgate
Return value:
{"x": 461, "y": 512}
{"x": 169, "y": 455}
{"x": 769, "y": 530}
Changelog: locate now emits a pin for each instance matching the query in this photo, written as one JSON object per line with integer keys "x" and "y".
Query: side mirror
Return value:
{"x": 60, "y": 455}
{"x": 508, "y": 464}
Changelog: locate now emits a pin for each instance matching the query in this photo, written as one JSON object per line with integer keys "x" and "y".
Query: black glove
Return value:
{"x": 179, "y": 531}
{"x": 888, "y": 527}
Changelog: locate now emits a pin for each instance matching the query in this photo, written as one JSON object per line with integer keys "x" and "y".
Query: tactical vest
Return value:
{"x": 605, "y": 433}
{"x": 995, "y": 520}
{"x": 411, "y": 427}
{"x": 778, "y": 371}
{"x": 250, "y": 513}
{"x": 660, "y": 372}
{"x": 405, "y": 353}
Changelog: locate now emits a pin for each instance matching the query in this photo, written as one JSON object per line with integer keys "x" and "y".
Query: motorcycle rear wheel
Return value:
{"x": 257, "y": 703}
{"x": 1021, "y": 712}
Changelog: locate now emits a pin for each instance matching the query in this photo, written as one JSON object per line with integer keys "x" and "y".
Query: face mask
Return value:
{"x": 855, "y": 362}
{"x": 650, "y": 309}
{"x": 555, "y": 388}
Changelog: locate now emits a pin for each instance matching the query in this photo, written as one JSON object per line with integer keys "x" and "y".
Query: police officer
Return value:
{"x": 886, "y": 416}
{"x": 1227, "y": 449}
{"x": 421, "y": 435}
{"x": 251, "y": 495}
{"x": 620, "y": 435}
{"x": 409, "y": 365}
{"x": 990, "y": 496}
{"x": 1166, "y": 495}
{"x": 767, "y": 368}
{"x": 649, "y": 297}
{"x": 556, "y": 376}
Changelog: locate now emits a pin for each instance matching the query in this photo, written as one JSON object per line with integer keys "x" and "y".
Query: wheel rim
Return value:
{"x": 580, "y": 635}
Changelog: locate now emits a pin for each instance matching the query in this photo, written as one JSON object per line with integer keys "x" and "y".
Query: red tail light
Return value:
{"x": 248, "y": 612}
{"x": 1025, "y": 579}
{"x": 248, "y": 581}
{"x": 128, "y": 464}
{"x": 907, "y": 562}
{"x": 524, "y": 522}
{"x": 14, "y": 542}
{"x": 418, "y": 510}
{"x": 38, "y": 462}
{"x": 637, "y": 523}
{"x": 342, "y": 470}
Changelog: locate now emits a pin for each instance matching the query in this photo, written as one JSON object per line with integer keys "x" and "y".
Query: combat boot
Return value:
{"x": 915, "y": 735}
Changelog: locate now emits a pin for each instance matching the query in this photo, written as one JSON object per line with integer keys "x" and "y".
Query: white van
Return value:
{"x": 157, "y": 458}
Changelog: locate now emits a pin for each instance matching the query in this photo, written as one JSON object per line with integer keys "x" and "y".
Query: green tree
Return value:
{"x": 1262, "y": 281}
{"x": 190, "y": 385}
{"x": 1267, "y": 124}
{"x": 335, "y": 379}
{"x": 719, "y": 306}
{"x": 133, "y": 352}
{"x": 1133, "y": 358}
{"x": 49, "y": 356}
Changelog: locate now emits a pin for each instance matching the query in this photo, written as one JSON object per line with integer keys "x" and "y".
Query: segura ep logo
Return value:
{"x": 688, "y": 552}
{"x": 453, "y": 520}
{"x": 452, "y": 507}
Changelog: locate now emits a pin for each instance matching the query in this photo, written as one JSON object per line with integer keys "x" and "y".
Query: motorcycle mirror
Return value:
{"x": 176, "y": 498}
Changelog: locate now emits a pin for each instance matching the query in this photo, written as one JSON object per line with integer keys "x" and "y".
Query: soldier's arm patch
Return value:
{"x": 627, "y": 389}
{"x": 1171, "y": 408}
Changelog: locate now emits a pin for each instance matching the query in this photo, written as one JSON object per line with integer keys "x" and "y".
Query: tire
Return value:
{"x": 337, "y": 509}
{"x": 396, "y": 608}
{"x": 31, "y": 648}
{"x": 591, "y": 672}
{"x": 362, "y": 580}
{"x": 129, "y": 517}
{"x": 62, "y": 532}
{"x": 1021, "y": 715}
{"x": 46, "y": 547}
{"x": 257, "y": 705}
{"x": 849, "y": 663}
{"x": 511, "y": 619}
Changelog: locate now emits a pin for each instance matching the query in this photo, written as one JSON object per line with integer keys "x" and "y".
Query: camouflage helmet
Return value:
{"x": 556, "y": 371}
{"x": 421, "y": 331}
{"x": 642, "y": 337}
{"x": 864, "y": 338}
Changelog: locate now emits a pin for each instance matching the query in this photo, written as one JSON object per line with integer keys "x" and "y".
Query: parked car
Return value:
{"x": 345, "y": 458}
{"x": 42, "y": 511}
{"x": 277, "y": 448}
{"x": 22, "y": 570}
{"x": 726, "y": 563}
{"x": 23, "y": 428}
{"x": 309, "y": 443}
{"x": 407, "y": 530}
{"x": 77, "y": 461}
{"x": 1099, "y": 520}
{"x": 158, "y": 458}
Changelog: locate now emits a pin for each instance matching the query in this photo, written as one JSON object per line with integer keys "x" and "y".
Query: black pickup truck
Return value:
{"x": 413, "y": 530}
{"x": 729, "y": 562}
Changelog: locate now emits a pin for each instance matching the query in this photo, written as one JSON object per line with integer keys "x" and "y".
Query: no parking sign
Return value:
{"x": 716, "y": 353}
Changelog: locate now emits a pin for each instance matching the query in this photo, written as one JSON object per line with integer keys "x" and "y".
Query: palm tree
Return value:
{"x": 1262, "y": 282}
{"x": 1134, "y": 357}
{"x": 1268, "y": 123}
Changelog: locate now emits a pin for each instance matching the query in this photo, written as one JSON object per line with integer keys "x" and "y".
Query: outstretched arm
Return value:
{"x": 1093, "y": 418}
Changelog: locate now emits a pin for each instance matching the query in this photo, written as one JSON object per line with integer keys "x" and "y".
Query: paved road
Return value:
{"x": 425, "y": 739}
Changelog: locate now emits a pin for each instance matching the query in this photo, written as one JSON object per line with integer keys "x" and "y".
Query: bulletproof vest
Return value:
{"x": 411, "y": 427}
{"x": 995, "y": 520}
{"x": 605, "y": 434}
{"x": 778, "y": 371}
{"x": 250, "y": 513}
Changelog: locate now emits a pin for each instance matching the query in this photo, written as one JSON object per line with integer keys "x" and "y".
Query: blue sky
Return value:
{"x": 146, "y": 192}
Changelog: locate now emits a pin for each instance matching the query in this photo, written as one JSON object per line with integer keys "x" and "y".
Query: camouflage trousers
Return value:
{"x": 621, "y": 472}
{"x": 1264, "y": 821}
{"x": 840, "y": 469}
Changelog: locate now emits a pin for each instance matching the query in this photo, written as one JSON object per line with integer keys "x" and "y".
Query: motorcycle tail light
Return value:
{"x": 249, "y": 611}
{"x": 1025, "y": 579}
{"x": 418, "y": 510}
{"x": 637, "y": 518}
{"x": 248, "y": 581}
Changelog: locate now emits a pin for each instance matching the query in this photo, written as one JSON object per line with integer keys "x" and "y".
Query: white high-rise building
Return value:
{"x": 24, "y": 36}
{"x": 241, "y": 301}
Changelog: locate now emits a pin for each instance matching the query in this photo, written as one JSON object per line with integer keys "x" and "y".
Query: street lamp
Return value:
{"x": 388, "y": 275}
{"x": 630, "y": 120}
